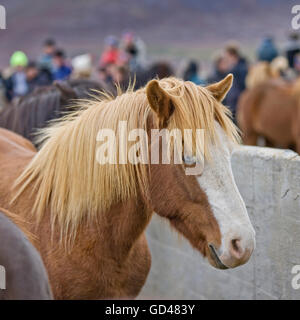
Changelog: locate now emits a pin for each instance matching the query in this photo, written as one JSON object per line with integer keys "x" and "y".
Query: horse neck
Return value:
{"x": 121, "y": 228}
{"x": 113, "y": 234}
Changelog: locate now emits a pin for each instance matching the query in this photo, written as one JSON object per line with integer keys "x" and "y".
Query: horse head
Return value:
{"x": 206, "y": 208}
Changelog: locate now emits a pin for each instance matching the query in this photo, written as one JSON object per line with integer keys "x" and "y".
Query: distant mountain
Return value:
{"x": 81, "y": 25}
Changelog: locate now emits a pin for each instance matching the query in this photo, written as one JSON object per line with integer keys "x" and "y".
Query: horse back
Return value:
{"x": 268, "y": 110}
{"x": 12, "y": 141}
{"x": 15, "y": 153}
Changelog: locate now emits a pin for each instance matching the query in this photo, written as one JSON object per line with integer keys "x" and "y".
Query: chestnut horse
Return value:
{"x": 89, "y": 219}
{"x": 271, "y": 110}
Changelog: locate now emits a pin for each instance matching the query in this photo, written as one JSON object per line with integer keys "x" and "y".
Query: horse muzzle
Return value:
{"x": 237, "y": 253}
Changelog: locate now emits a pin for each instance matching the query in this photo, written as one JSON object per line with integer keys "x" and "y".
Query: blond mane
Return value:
{"x": 67, "y": 179}
{"x": 260, "y": 73}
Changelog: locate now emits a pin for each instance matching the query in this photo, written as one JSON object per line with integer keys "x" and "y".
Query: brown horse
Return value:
{"x": 89, "y": 218}
{"x": 271, "y": 110}
{"x": 35, "y": 110}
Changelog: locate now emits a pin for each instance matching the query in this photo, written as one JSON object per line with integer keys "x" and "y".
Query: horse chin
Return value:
{"x": 214, "y": 258}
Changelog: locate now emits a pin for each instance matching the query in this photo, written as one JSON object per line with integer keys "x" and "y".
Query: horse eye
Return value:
{"x": 189, "y": 160}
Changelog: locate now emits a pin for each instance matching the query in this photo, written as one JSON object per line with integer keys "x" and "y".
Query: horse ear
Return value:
{"x": 220, "y": 89}
{"x": 65, "y": 89}
{"x": 160, "y": 102}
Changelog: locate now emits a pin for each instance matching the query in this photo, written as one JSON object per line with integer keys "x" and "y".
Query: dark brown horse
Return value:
{"x": 157, "y": 70}
{"x": 34, "y": 111}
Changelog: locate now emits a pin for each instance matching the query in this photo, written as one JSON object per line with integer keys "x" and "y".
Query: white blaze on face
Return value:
{"x": 217, "y": 181}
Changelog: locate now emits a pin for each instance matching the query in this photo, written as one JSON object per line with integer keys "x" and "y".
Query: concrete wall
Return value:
{"x": 269, "y": 181}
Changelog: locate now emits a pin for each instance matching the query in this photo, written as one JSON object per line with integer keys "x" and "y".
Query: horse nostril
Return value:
{"x": 236, "y": 249}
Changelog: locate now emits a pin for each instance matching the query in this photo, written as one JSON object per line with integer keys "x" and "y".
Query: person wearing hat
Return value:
{"x": 82, "y": 66}
{"x": 267, "y": 50}
{"x": 16, "y": 84}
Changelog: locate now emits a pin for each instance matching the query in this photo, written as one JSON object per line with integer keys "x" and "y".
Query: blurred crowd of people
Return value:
{"x": 231, "y": 60}
{"x": 121, "y": 58}
{"x": 24, "y": 75}
{"x": 118, "y": 59}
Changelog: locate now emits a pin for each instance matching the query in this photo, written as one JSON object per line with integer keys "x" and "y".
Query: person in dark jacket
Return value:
{"x": 16, "y": 84}
{"x": 292, "y": 49}
{"x": 220, "y": 69}
{"x": 3, "y": 99}
{"x": 61, "y": 70}
{"x": 46, "y": 60}
{"x": 238, "y": 66}
{"x": 35, "y": 77}
{"x": 267, "y": 50}
{"x": 191, "y": 74}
